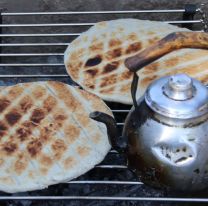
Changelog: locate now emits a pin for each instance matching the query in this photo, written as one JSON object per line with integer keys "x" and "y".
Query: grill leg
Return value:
{"x": 190, "y": 11}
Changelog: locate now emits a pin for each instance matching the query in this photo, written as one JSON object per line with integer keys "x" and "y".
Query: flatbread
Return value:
{"x": 95, "y": 60}
{"x": 46, "y": 135}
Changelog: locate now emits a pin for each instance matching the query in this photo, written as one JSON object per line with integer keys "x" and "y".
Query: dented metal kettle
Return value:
{"x": 167, "y": 129}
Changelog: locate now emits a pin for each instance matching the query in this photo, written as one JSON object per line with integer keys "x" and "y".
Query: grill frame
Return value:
{"x": 204, "y": 25}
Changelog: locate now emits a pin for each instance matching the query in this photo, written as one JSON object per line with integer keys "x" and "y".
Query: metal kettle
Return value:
{"x": 167, "y": 129}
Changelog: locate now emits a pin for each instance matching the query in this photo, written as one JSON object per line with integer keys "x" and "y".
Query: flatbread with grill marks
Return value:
{"x": 95, "y": 60}
{"x": 46, "y": 135}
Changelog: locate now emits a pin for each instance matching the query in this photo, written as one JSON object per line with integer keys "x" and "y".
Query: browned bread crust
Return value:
{"x": 95, "y": 60}
{"x": 46, "y": 135}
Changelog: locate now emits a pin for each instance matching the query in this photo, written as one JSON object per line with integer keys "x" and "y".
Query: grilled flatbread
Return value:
{"x": 95, "y": 60}
{"x": 46, "y": 135}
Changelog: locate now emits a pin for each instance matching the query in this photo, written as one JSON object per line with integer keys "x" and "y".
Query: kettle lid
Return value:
{"x": 178, "y": 96}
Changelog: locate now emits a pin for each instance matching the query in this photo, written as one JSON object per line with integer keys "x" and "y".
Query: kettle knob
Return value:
{"x": 179, "y": 87}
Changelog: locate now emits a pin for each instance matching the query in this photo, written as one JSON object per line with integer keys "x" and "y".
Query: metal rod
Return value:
{"x": 74, "y": 34}
{"x": 31, "y": 54}
{"x": 39, "y": 35}
{"x": 113, "y": 152}
{"x": 48, "y": 35}
{"x": 105, "y": 182}
{"x": 48, "y": 24}
{"x": 184, "y": 21}
{"x": 86, "y": 24}
{"x": 35, "y": 44}
{"x": 31, "y": 65}
{"x": 44, "y": 76}
{"x": 43, "y": 35}
{"x": 33, "y": 75}
{"x": 93, "y": 12}
{"x": 112, "y": 166}
{"x": 120, "y": 111}
{"x": 155, "y": 199}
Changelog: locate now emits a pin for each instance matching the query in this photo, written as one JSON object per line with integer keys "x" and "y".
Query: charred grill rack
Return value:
{"x": 110, "y": 183}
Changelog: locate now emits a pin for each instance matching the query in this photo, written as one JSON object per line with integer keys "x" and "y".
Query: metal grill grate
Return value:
{"x": 18, "y": 64}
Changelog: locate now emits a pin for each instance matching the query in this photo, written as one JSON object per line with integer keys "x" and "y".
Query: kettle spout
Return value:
{"x": 112, "y": 130}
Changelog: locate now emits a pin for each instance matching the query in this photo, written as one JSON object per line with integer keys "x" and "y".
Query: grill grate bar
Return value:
{"x": 39, "y": 35}
{"x": 106, "y": 182}
{"x": 33, "y": 75}
{"x": 32, "y": 54}
{"x": 86, "y": 24}
{"x": 32, "y": 65}
{"x": 184, "y": 21}
{"x": 120, "y": 124}
{"x": 93, "y": 12}
{"x": 113, "y": 152}
{"x": 35, "y": 44}
{"x": 112, "y": 166}
{"x": 46, "y": 35}
{"x": 44, "y": 25}
{"x": 122, "y": 110}
{"x": 155, "y": 199}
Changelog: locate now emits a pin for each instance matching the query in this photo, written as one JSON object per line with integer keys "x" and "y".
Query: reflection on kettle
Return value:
{"x": 167, "y": 129}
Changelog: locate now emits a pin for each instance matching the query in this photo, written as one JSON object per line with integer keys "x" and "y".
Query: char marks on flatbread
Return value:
{"x": 46, "y": 135}
{"x": 95, "y": 60}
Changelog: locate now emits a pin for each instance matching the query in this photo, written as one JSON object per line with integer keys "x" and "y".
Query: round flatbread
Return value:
{"x": 95, "y": 60}
{"x": 46, "y": 135}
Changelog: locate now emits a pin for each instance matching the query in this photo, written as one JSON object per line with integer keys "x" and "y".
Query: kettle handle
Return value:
{"x": 171, "y": 42}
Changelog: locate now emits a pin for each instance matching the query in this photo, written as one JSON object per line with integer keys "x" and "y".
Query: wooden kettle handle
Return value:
{"x": 171, "y": 42}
